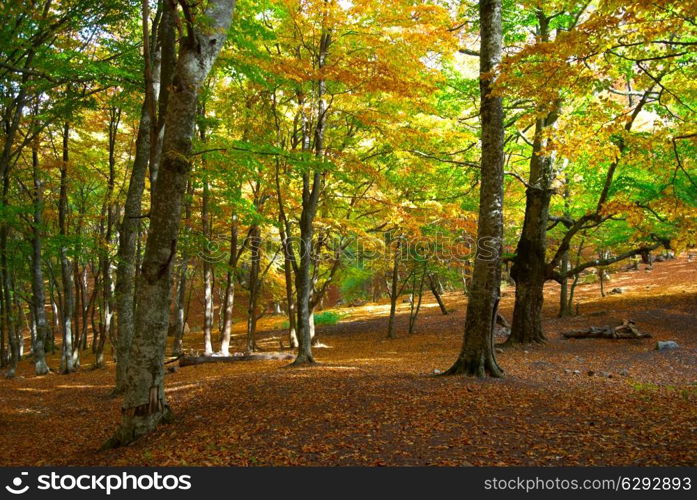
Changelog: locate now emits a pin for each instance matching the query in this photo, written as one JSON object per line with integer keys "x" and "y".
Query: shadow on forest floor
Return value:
{"x": 372, "y": 401}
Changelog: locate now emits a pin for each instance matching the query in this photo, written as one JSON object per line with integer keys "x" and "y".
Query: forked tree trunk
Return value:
{"x": 477, "y": 356}
{"x": 310, "y": 200}
{"x": 529, "y": 270}
{"x": 129, "y": 230}
{"x": 145, "y": 405}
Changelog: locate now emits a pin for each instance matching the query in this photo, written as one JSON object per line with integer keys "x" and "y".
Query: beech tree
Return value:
{"x": 145, "y": 405}
{"x": 477, "y": 356}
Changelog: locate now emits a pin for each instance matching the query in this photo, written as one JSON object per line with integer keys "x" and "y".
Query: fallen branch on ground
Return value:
{"x": 627, "y": 330}
{"x": 254, "y": 356}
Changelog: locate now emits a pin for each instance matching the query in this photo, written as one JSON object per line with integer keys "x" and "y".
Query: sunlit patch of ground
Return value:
{"x": 373, "y": 401}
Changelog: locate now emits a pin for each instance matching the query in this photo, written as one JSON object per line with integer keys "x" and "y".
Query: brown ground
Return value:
{"x": 374, "y": 402}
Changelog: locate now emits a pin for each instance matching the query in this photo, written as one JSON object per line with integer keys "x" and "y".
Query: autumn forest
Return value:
{"x": 348, "y": 232}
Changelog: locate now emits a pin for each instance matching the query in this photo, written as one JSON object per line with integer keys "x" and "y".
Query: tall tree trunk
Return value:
{"x": 310, "y": 202}
{"x": 477, "y": 356}
{"x": 303, "y": 277}
{"x": 394, "y": 291}
{"x": 207, "y": 237}
{"x": 157, "y": 83}
{"x": 529, "y": 270}
{"x": 67, "y": 360}
{"x": 289, "y": 264}
{"x": 564, "y": 290}
{"x": 207, "y": 274}
{"x": 254, "y": 285}
{"x": 37, "y": 282}
{"x": 177, "y": 327}
{"x": 7, "y": 290}
{"x": 105, "y": 258}
{"x": 126, "y": 257}
{"x": 144, "y": 405}
{"x": 180, "y": 304}
{"x": 229, "y": 298}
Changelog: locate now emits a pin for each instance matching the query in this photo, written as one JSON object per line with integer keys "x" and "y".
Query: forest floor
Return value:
{"x": 374, "y": 401}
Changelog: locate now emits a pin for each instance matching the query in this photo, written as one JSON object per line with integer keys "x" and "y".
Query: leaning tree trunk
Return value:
{"x": 145, "y": 405}
{"x": 477, "y": 356}
{"x": 433, "y": 285}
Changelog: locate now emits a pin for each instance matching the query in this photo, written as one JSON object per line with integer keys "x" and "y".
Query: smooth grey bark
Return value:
{"x": 477, "y": 356}
{"x": 207, "y": 273}
{"x": 145, "y": 405}
{"x": 206, "y": 223}
{"x": 229, "y": 297}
